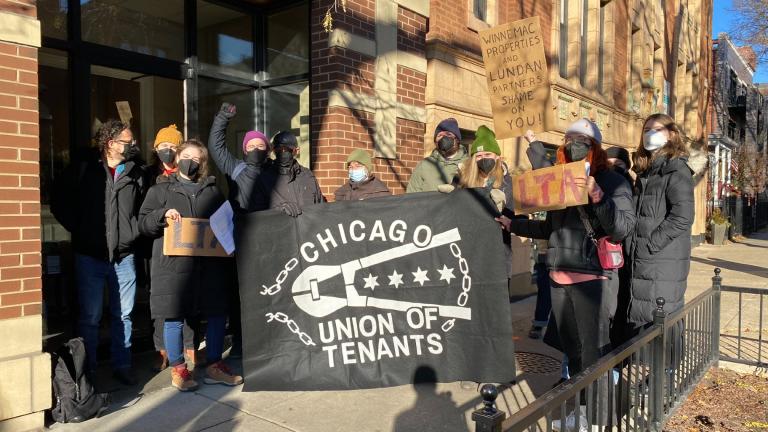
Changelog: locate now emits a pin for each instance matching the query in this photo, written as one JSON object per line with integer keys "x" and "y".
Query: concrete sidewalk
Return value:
{"x": 441, "y": 407}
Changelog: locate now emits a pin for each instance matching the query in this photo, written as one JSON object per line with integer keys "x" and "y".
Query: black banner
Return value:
{"x": 358, "y": 294}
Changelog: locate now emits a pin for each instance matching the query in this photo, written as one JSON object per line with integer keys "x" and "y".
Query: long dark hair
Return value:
{"x": 672, "y": 149}
{"x": 202, "y": 173}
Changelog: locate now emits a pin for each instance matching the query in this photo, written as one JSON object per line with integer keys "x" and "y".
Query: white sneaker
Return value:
{"x": 570, "y": 423}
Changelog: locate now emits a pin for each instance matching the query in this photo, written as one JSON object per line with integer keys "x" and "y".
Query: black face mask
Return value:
{"x": 486, "y": 165}
{"x": 577, "y": 150}
{"x": 166, "y": 155}
{"x": 285, "y": 158}
{"x": 256, "y": 156}
{"x": 189, "y": 168}
{"x": 130, "y": 151}
{"x": 445, "y": 144}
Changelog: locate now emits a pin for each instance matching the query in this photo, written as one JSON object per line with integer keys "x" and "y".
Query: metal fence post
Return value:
{"x": 717, "y": 285}
{"x": 658, "y": 365}
{"x": 488, "y": 418}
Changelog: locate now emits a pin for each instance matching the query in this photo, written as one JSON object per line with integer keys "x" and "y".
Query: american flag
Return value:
{"x": 734, "y": 166}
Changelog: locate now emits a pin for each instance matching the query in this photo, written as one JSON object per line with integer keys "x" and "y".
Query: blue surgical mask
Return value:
{"x": 357, "y": 174}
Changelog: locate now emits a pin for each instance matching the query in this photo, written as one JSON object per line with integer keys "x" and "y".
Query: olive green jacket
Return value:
{"x": 435, "y": 170}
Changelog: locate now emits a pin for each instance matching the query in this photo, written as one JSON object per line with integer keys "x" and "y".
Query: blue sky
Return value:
{"x": 722, "y": 20}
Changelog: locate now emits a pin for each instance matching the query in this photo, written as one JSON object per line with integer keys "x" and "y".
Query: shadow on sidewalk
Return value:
{"x": 734, "y": 266}
{"x": 432, "y": 411}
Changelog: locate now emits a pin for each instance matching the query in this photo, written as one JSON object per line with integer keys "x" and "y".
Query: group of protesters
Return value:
{"x": 111, "y": 202}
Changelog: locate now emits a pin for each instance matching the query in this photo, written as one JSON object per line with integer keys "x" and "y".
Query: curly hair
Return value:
{"x": 108, "y": 131}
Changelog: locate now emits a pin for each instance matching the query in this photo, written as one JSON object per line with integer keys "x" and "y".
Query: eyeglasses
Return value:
{"x": 128, "y": 143}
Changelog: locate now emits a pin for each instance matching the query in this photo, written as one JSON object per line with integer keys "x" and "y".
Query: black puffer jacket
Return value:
{"x": 185, "y": 286}
{"x": 241, "y": 176}
{"x": 569, "y": 247}
{"x": 99, "y": 211}
{"x": 660, "y": 249}
{"x": 272, "y": 189}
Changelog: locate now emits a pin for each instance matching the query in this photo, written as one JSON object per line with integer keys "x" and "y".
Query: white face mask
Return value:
{"x": 654, "y": 140}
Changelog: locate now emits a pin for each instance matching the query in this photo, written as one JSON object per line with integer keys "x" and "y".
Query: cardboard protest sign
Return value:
{"x": 551, "y": 188}
{"x": 191, "y": 237}
{"x": 352, "y": 295}
{"x": 518, "y": 78}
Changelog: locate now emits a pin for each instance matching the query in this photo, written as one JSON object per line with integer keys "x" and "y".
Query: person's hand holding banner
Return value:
{"x": 173, "y": 215}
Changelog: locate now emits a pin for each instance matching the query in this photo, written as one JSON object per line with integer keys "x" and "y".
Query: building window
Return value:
{"x": 224, "y": 37}
{"x": 601, "y": 52}
{"x": 563, "y": 52}
{"x": 480, "y": 9}
{"x": 584, "y": 42}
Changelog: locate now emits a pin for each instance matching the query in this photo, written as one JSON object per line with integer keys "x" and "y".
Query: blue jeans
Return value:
{"x": 121, "y": 283}
{"x": 214, "y": 339}
{"x": 543, "y": 297}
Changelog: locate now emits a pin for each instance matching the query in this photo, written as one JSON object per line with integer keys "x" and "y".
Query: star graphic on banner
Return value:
{"x": 370, "y": 281}
{"x": 446, "y": 273}
{"x": 395, "y": 279}
{"x": 420, "y": 276}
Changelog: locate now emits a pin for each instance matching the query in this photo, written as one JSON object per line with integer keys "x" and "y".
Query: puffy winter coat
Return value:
{"x": 185, "y": 286}
{"x": 241, "y": 176}
{"x": 569, "y": 248}
{"x": 371, "y": 188}
{"x": 660, "y": 249}
{"x": 435, "y": 170}
{"x": 100, "y": 211}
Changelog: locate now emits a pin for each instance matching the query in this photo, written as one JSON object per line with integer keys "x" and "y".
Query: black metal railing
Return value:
{"x": 745, "y": 346}
{"x": 636, "y": 387}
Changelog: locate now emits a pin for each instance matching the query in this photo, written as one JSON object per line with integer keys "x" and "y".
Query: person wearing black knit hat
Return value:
{"x": 443, "y": 164}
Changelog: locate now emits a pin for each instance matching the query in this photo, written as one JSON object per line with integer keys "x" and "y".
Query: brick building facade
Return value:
{"x": 24, "y": 369}
{"x": 382, "y": 79}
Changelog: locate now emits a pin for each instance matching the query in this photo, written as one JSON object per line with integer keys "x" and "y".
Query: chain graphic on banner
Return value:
{"x": 292, "y": 326}
{"x": 466, "y": 284}
{"x": 281, "y": 277}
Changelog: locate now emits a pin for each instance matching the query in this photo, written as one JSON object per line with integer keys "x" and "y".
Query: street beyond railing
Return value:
{"x": 636, "y": 387}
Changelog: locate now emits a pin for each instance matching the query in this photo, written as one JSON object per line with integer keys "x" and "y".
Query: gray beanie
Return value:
{"x": 585, "y": 127}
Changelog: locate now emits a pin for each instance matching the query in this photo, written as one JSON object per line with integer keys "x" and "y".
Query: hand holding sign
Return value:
{"x": 594, "y": 190}
{"x": 173, "y": 215}
{"x": 551, "y": 188}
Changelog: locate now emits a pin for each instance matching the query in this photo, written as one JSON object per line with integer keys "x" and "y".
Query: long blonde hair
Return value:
{"x": 470, "y": 175}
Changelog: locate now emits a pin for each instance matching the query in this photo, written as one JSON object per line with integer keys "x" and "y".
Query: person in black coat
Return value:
{"x": 583, "y": 293}
{"x": 188, "y": 286}
{"x": 97, "y": 200}
{"x": 660, "y": 248}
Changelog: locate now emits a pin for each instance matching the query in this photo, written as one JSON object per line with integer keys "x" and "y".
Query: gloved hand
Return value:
{"x": 499, "y": 198}
{"x": 446, "y": 188}
{"x": 228, "y": 110}
{"x": 290, "y": 208}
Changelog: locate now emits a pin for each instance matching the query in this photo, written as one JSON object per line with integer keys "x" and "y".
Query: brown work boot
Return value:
{"x": 219, "y": 373}
{"x": 162, "y": 361}
{"x": 181, "y": 378}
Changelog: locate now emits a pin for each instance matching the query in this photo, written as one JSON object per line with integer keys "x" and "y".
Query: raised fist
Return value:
{"x": 228, "y": 110}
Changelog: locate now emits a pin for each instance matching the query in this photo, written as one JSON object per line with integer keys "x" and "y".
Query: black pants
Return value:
{"x": 188, "y": 332}
{"x": 583, "y": 314}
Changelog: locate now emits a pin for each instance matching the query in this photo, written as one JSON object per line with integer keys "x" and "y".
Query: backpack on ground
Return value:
{"x": 76, "y": 399}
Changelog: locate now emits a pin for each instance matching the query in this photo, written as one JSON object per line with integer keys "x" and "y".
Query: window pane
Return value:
{"x": 155, "y": 102}
{"x": 480, "y": 9}
{"x": 287, "y": 108}
{"x": 144, "y": 26}
{"x": 211, "y": 94}
{"x": 224, "y": 37}
{"x": 288, "y": 42}
{"x": 53, "y": 18}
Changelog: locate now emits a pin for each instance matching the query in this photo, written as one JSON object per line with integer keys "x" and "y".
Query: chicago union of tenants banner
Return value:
{"x": 355, "y": 295}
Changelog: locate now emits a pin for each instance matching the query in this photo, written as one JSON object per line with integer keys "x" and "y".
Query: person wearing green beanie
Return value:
{"x": 484, "y": 167}
{"x": 362, "y": 184}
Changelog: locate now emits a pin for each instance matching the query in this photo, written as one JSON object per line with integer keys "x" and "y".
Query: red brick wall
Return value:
{"x": 336, "y": 131}
{"x": 20, "y": 283}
